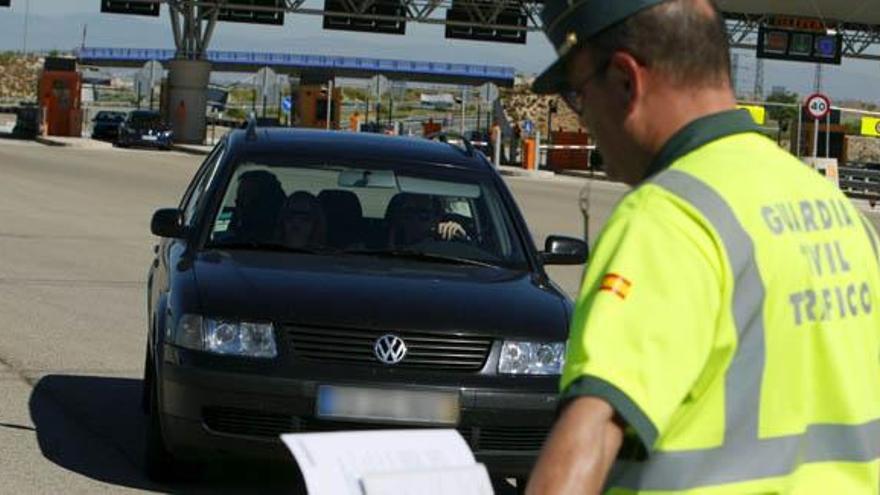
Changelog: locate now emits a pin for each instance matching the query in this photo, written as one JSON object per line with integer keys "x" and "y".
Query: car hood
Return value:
{"x": 387, "y": 294}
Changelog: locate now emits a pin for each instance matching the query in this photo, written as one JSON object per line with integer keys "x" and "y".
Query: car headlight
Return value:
{"x": 531, "y": 358}
{"x": 237, "y": 338}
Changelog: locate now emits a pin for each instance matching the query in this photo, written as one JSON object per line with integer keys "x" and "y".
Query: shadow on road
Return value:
{"x": 93, "y": 426}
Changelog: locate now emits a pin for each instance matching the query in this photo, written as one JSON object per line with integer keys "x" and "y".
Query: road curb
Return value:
{"x": 50, "y": 142}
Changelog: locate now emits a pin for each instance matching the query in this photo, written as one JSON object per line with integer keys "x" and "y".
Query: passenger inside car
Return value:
{"x": 302, "y": 223}
{"x": 344, "y": 218}
{"x": 258, "y": 203}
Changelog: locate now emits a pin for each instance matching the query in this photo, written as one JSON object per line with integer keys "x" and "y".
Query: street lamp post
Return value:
{"x": 27, "y": 14}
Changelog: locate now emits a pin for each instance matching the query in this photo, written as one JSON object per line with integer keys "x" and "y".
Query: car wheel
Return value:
{"x": 146, "y": 383}
{"x": 160, "y": 465}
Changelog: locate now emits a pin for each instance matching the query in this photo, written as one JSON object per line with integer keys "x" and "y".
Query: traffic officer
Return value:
{"x": 727, "y": 335}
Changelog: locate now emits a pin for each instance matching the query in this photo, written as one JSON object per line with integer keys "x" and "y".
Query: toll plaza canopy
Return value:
{"x": 230, "y": 61}
{"x": 834, "y": 11}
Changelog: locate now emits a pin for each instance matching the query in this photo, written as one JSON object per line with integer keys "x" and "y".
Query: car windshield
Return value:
{"x": 110, "y": 116}
{"x": 366, "y": 210}
{"x": 145, "y": 120}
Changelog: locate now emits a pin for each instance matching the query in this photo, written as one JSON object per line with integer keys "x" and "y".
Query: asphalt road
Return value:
{"x": 74, "y": 249}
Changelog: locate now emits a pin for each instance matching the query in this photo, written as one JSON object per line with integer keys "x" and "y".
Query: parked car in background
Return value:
{"x": 144, "y": 128}
{"x": 106, "y": 124}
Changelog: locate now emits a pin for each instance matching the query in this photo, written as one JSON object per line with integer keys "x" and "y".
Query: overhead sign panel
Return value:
{"x": 799, "y": 39}
{"x": 477, "y": 12}
{"x": 5, "y": 3}
{"x": 394, "y": 10}
{"x": 253, "y": 12}
{"x": 129, "y": 7}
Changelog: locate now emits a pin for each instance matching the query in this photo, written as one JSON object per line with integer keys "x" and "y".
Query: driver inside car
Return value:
{"x": 302, "y": 223}
{"x": 415, "y": 218}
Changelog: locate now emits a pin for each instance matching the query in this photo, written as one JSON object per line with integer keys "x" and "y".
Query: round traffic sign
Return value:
{"x": 818, "y": 106}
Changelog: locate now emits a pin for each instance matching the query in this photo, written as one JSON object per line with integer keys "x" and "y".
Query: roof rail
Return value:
{"x": 444, "y": 136}
{"x": 251, "y": 132}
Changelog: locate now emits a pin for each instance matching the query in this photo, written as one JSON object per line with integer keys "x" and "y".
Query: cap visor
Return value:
{"x": 553, "y": 80}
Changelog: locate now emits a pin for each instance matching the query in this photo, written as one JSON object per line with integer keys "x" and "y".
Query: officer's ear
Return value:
{"x": 626, "y": 79}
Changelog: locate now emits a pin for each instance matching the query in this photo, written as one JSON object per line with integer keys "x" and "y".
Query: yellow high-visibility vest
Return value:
{"x": 730, "y": 314}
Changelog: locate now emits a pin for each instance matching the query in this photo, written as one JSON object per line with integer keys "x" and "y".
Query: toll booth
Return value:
{"x": 60, "y": 93}
{"x": 311, "y": 108}
{"x": 430, "y": 127}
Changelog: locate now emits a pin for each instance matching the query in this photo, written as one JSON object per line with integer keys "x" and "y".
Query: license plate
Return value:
{"x": 149, "y": 138}
{"x": 411, "y": 406}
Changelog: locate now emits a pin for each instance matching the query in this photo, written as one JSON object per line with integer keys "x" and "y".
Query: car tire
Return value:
{"x": 160, "y": 465}
{"x": 147, "y": 384}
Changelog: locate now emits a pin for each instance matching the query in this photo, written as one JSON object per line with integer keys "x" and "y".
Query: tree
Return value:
{"x": 784, "y": 115}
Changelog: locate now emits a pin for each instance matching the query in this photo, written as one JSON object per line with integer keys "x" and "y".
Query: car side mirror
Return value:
{"x": 168, "y": 222}
{"x": 559, "y": 250}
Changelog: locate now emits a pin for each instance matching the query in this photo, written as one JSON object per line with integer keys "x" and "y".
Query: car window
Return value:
{"x": 145, "y": 119}
{"x": 364, "y": 208}
{"x": 200, "y": 184}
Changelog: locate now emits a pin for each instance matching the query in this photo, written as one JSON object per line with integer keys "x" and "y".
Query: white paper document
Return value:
{"x": 428, "y": 462}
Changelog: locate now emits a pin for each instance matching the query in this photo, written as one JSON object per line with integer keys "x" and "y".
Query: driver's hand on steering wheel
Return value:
{"x": 451, "y": 230}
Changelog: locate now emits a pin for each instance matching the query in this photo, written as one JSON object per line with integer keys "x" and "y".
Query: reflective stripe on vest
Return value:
{"x": 870, "y": 233}
{"x": 743, "y": 456}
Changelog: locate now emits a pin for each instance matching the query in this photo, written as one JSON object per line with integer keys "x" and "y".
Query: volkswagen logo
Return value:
{"x": 389, "y": 349}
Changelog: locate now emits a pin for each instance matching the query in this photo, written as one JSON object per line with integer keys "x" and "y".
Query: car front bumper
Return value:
{"x": 210, "y": 413}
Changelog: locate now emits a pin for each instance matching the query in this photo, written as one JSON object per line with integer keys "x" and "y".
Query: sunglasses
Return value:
{"x": 574, "y": 98}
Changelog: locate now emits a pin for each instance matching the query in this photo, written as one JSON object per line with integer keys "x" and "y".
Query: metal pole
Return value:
{"x": 463, "y": 111}
{"x": 152, "y": 78}
{"x": 27, "y": 14}
{"x": 815, "y": 140}
{"x": 828, "y": 135}
{"x": 329, "y": 103}
{"x": 497, "y": 150}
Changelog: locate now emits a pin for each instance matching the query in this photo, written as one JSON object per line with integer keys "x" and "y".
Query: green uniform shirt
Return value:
{"x": 730, "y": 313}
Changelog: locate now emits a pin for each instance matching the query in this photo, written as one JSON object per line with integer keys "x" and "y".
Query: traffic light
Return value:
{"x": 133, "y": 7}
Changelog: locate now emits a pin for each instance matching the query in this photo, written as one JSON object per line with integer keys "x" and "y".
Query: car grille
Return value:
{"x": 512, "y": 438}
{"x": 424, "y": 350}
{"x": 237, "y": 421}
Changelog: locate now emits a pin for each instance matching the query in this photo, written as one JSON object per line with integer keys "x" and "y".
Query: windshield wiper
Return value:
{"x": 420, "y": 255}
{"x": 269, "y": 246}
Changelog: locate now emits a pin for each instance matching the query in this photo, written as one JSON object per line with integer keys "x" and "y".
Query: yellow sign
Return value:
{"x": 871, "y": 126}
{"x": 759, "y": 114}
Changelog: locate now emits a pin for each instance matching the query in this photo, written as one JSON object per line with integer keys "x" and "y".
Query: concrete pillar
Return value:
{"x": 188, "y": 99}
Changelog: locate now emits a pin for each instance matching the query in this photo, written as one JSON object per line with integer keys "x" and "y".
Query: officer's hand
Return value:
{"x": 451, "y": 230}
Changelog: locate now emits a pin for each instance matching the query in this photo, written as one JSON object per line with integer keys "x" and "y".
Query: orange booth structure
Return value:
{"x": 311, "y": 108}
{"x": 60, "y": 93}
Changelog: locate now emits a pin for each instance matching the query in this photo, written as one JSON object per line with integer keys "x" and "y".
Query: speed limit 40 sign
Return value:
{"x": 818, "y": 106}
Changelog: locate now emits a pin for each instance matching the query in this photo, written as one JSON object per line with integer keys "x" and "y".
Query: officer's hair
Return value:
{"x": 684, "y": 39}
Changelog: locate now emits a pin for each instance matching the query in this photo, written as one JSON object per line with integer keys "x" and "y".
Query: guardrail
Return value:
{"x": 860, "y": 183}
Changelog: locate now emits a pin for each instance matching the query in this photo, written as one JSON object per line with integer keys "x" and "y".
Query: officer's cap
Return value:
{"x": 568, "y": 23}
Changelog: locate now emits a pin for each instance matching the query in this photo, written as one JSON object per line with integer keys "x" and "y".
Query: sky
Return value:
{"x": 58, "y": 24}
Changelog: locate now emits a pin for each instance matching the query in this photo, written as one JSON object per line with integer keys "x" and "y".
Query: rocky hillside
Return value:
{"x": 18, "y": 76}
{"x": 521, "y": 104}
{"x": 863, "y": 149}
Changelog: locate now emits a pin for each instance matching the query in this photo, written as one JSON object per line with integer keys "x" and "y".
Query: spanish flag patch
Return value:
{"x": 616, "y": 284}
